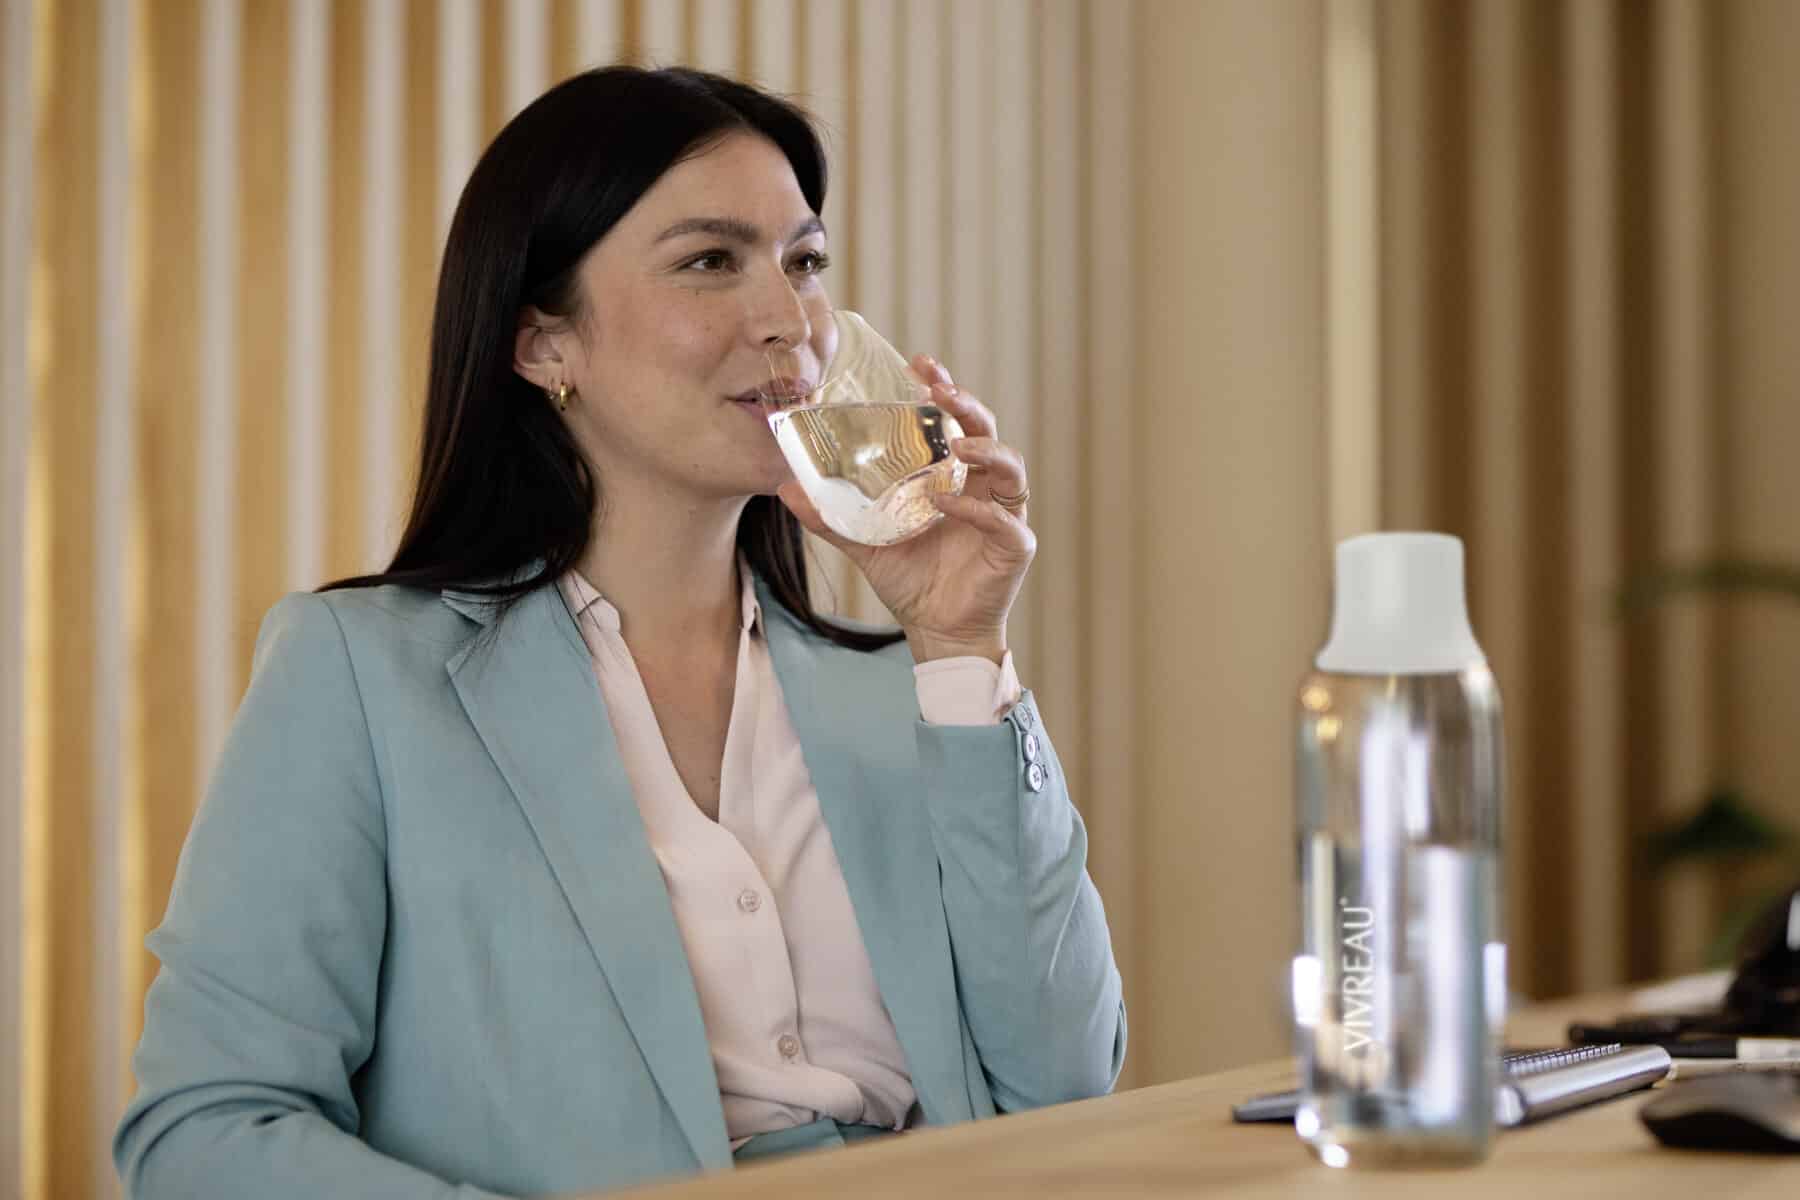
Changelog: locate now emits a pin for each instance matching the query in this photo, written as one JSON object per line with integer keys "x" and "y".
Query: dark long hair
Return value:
{"x": 505, "y": 499}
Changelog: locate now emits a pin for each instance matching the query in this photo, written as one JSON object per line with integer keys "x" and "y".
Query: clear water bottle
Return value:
{"x": 1400, "y": 986}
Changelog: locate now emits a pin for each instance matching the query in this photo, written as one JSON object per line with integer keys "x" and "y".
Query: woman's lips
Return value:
{"x": 777, "y": 393}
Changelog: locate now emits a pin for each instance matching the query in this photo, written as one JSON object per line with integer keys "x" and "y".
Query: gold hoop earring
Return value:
{"x": 560, "y": 396}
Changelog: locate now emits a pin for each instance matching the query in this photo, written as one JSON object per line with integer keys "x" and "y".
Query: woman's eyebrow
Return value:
{"x": 735, "y": 230}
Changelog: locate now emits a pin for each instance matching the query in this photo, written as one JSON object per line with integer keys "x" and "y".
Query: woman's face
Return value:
{"x": 710, "y": 276}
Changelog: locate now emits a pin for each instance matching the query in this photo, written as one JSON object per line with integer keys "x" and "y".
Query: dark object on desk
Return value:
{"x": 1728, "y": 1112}
{"x": 1653, "y": 1029}
{"x": 1763, "y": 1000}
{"x": 1765, "y": 995}
{"x": 1269, "y": 1108}
{"x": 1535, "y": 1083}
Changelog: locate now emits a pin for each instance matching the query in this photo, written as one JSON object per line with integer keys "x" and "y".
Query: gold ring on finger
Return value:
{"x": 1011, "y": 503}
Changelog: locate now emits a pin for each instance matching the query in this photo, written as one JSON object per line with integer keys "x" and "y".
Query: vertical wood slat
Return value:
{"x": 715, "y": 36}
{"x": 1010, "y": 260}
{"x": 1109, "y": 543}
{"x": 348, "y": 397}
{"x": 773, "y": 61}
{"x": 874, "y": 144}
{"x": 1686, "y": 516}
{"x": 1059, "y": 461}
{"x": 1639, "y": 772}
{"x": 662, "y": 36}
{"x": 922, "y": 179}
{"x": 457, "y": 101}
{"x": 1499, "y": 546}
{"x": 826, "y": 93}
{"x": 62, "y": 906}
{"x": 36, "y": 936}
{"x": 1403, "y": 106}
{"x": 167, "y": 398}
{"x": 774, "y": 45}
{"x": 600, "y": 27}
{"x": 1596, "y": 542}
{"x": 62, "y": 550}
{"x": 562, "y": 40}
{"x": 118, "y": 590}
{"x": 489, "y": 80}
{"x": 527, "y": 53}
{"x": 968, "y": 235}
{"x": 1540, "y": 738}
{"x": 422, "y": 232}
{"x": 1428, "y": 359}
{"x": 874, "y": 221}
{"x": 216, "y": 533}
{"x": 17, "y": 184}
{"x": 262, "y": 295}
{"x": 382, "y": 329}
{"x": 308, "y": 111}
{"x": 1352, "y": 248}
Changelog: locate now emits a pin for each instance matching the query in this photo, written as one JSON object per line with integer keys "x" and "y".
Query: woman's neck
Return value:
{"x": 669, "y": 565}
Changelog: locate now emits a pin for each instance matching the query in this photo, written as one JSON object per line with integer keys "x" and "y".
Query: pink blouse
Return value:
{"x": 795, "y": 1021}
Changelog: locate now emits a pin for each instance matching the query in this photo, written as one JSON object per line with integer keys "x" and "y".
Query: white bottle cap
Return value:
{"x": 1399, "y": 607}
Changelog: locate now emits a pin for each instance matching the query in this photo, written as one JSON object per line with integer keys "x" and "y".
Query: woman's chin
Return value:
{"x": 770, "y": 476}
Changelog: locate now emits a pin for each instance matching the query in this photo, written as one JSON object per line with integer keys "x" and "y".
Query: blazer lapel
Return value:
{"x": 529, "y": 689}
{"x": 857, "y": 739}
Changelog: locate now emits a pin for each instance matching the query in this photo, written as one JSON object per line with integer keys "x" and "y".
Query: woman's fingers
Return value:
{"x": 1003, "y": 466}
{"x": 1000, "y": 525}
{"x": 976, "y": 418}
{"x": 931, "y": 371}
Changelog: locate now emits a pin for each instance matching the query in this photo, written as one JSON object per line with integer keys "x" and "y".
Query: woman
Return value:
{"x": 575, "y": 849}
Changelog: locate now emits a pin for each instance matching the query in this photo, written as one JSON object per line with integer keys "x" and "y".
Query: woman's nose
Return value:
{"x": 778, "y": 318}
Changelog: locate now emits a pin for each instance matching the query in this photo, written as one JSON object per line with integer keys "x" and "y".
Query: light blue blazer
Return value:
{"x": 418, "y": 944}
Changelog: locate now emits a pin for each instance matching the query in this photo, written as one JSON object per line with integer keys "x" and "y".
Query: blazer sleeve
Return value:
{"x": 1034, "y": 961}
{"x": 264, "y": 1007}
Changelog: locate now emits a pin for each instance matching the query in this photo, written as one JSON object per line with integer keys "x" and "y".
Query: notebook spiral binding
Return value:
{"x": 1533, "y": 1062}
{"x": 1542, "y": 1084}
{"x": 1533, "y": 1083}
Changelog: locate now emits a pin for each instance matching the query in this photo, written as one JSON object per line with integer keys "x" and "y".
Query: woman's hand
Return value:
{"x": 952, "y": 586}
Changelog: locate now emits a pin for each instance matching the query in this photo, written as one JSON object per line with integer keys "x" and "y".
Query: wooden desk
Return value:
{"x": 1178, "y": 1139}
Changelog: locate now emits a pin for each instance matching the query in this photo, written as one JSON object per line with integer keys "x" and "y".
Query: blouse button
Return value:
{"x": 789, "y": 1045}
{"x": 1034, "y": 777}
{"x": 749, "y": 900}
{"x": 1032, "y": 749}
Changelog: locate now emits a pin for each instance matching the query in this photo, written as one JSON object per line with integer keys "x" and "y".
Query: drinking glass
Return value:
{"x": 868, "y": 445}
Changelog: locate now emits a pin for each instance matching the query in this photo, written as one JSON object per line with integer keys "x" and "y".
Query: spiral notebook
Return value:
{"x": 1534, "y": 1083}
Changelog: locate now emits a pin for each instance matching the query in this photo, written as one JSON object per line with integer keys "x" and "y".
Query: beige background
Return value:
{"x": 1242, "y": 277}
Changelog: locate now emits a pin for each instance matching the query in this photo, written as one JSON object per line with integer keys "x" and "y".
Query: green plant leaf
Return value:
{"x": 1722, "y": 951}
{"x": 1723, "y": 827}
{"x": 1760, "y": 577}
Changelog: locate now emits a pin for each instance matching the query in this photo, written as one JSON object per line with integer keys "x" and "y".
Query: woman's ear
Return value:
{"x": 537, "y": 352}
